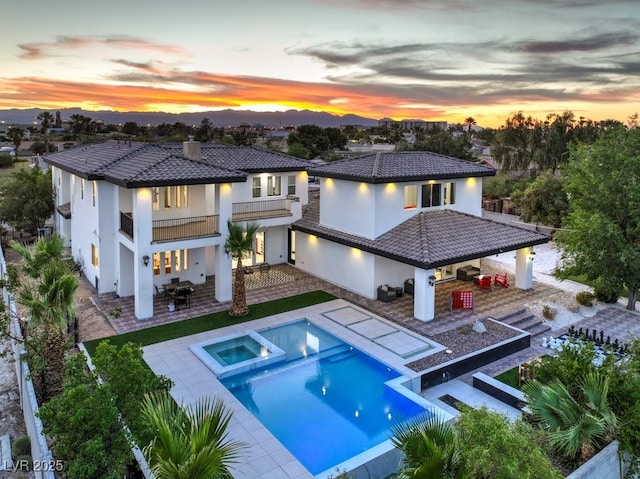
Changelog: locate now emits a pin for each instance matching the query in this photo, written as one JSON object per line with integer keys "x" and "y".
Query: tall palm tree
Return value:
{"x": 16, "y": 135}
{"x": 43, "y": 251}
{"x": 574, "y": 426}
{"x": 238, "y": 244}
{"x": 46, "y": 122}
{"x": 469, "y": 121}
{"x": 192, "y": 442}
{"x": 430, "y": 447}
{"x": 51, "y": 306}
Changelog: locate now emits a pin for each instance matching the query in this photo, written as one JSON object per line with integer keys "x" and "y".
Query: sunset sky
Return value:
{"x": 425, "y": 59}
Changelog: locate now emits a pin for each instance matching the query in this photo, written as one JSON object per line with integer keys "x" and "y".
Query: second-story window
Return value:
{"x": 94, "y": 255}
{"x": 274, "y": 185}
{"x": 82, "y": 188}
{"x": 167, "y": 197}
{"x": 431, "y": 195}
{"x": 155, "y": 198}
{"x": 410, "y": 196}
{"x": 185, "y": 196}
{"x": 291, "y": 186}
{"x": 256, "y": 189}
{"x": 449, "y": 193}
{"x": 94, "y": 191}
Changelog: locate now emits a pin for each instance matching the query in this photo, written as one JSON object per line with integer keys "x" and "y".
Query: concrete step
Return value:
{"x": 526, "y": 321}
{"x": 539, "y": 329}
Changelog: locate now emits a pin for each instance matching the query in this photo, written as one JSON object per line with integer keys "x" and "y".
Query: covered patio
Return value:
{"x": 284, "y": 280}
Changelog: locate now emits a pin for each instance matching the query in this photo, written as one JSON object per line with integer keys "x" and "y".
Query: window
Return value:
{"x": 178, "y": 262}
{"x": 94, "y": 255}
{"x": 167, "y": 262}
{"x": 410, "y": 196}
{"x": 449, "y": 193}
{"x": 291, "y": 187}
{"x": 155, "y": 199}
{"x": 274, "y": 185}
{"x": 185, "y": 196}
{"x": 94, "y": 190}
{"x": 156, "y": 264}
{"x": 256, "y": 190}
{"x": 82, "y": 188}
{"x": 431, "y": 195}
{"x": 167, "y": 197}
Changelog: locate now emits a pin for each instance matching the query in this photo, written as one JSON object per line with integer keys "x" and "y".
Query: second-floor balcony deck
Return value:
{"x": 175, "y": 228}
{"x": 255, "y": 210}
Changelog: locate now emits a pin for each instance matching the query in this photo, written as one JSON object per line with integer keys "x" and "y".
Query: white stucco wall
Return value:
{"x": 350, "y": 268}
{"x": 370, "y": 210}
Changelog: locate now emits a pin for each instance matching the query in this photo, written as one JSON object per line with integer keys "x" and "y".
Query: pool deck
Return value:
{"x": 266, "y": 457}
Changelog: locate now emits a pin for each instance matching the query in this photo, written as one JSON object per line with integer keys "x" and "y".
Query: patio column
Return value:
{"x": 143, "y": 235}
{"x": 223, "y": 260}
{"x": 424, "y": 296}
{"x": 524, "y": 268}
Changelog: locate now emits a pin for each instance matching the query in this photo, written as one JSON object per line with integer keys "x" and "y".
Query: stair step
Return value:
{"x": 515, "y": 320}
{"x": 506, "y": 318}
{"x": 539, "y": 329}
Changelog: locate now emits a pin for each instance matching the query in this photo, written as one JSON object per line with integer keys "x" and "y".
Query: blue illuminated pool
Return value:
{"x": 326, "y": 402}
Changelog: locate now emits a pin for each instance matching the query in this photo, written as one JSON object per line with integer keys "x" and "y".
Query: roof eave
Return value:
{"x": 399, "y": 179}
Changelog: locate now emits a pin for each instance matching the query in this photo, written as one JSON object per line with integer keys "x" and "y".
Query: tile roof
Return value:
{"x": 135, "y": 165}
{"x": 429, "y": 239}
{"x": 386, "y": 167}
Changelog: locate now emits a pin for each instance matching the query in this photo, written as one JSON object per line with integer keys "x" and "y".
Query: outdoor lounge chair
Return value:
{"x": 386, "y": 293}
{"x": 502, "y": 280}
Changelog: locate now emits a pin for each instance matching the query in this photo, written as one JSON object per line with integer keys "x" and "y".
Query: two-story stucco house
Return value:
{"x": 386, "y": 217}
{"x": 137, "y": 215}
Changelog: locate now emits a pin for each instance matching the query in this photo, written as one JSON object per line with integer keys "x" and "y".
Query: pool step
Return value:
{"x": 336, "y": 358}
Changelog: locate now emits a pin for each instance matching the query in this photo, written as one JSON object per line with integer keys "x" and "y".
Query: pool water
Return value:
{"x": 327, "y": 402}
{"x": 235, "y": 350}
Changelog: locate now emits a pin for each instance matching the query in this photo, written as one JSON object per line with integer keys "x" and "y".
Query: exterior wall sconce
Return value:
{"x": 145, "y": 260}
{"x": 432, "y": 280}
{"x": 532, "y": 255}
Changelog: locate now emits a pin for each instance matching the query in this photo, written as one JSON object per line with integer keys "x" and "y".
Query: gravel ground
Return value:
{"x": 466, "y": 340}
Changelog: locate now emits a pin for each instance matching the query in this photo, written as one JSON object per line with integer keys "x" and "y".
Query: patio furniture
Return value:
{"x": 484, "y": 281}
{"x": 461, "y": 300}
{"x": 502, "y": 280}
{"x": 467, "y": 273}
{"x": 408, "y": 286}
{"x": 183, "y": 297}
{"x": 399, "y": 291}
{"x": 386, "y": 293}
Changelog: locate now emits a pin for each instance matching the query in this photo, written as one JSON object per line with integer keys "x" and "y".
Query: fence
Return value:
{"x": 514, "y": 220}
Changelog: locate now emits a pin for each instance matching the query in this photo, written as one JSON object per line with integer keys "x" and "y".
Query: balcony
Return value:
{"x": 176, "y": 228}
{"x": 255, "y": 210}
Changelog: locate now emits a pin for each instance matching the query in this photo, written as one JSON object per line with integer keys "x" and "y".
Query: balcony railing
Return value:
{"x": 175, "y": 228}
{"x": 252, "y": 210}
{"x": 126, "y": 224}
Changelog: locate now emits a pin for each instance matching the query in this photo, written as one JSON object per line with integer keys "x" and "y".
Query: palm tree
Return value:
{"x": 51, "y": 306}
{"x": 239, "y": 243}
{"x": 16, "y": 135}
{"x": 49, "y": 297}
{"x": 189, "y": 443}
{"x": 43, "y": 251}
{"x": 46, "y": 122}
{"x": 469, "y": 121}
{"x": 430, "y": 447}
{"x": 574, "y": 427}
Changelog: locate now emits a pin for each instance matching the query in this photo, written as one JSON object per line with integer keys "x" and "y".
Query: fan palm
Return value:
{"x": 430, "y": 447}
{"x": 51, "y": 306}
{"x": 189, "y": 443}
{"x": 238, "y": 244}
{"x": 43, "y": 251}
{"x": 574, "y": 427}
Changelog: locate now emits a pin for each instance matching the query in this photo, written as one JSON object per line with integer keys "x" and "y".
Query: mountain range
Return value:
{"x": 217, "y": 118}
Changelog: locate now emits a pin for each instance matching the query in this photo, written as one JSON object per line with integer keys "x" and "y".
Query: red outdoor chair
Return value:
{"x": 484, "y": 281}
{"x": 502, "y": 280}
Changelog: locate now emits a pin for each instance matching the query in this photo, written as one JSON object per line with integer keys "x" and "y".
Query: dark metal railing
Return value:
{"x": 126, "y": 224}
{"x": 184, "y": 228}
{"x": 263, "y": 209}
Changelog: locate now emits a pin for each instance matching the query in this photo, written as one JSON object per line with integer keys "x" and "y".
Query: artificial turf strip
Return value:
{"x": 165, "y": 332}
{"x": 510, "y": 377}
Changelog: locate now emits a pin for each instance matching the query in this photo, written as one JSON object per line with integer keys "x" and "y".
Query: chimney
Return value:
{"x": 191, "y": 149}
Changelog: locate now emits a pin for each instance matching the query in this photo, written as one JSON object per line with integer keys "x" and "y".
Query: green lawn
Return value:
{"x": 208, "y": 322}
{"x": 510, "y": 377}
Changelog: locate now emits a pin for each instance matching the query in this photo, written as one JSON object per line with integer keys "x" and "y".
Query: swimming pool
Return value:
{"x": 325, "y": 401}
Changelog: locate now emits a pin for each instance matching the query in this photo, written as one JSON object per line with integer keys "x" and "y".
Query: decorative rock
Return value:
{"x": 478, "y": 327}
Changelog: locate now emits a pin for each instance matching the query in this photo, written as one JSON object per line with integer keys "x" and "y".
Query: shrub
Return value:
{"x": 6, "y": 161}
{"x": 548, "y": 312}
{"x": 585, "y": 298}
{"x": 21, "y": 447}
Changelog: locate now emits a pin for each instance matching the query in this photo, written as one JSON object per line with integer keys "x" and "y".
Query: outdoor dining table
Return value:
{"x": 179, "y": 293}
{"x": 173, "y": 287}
